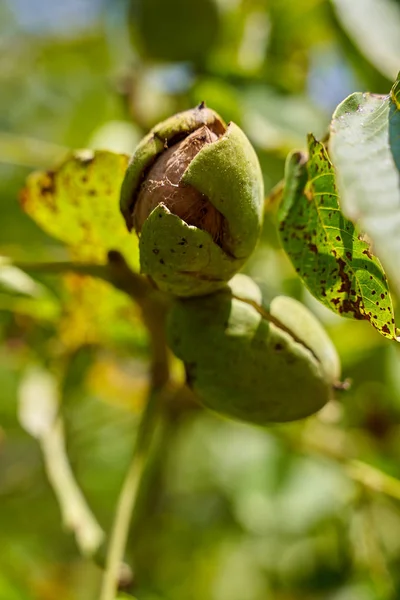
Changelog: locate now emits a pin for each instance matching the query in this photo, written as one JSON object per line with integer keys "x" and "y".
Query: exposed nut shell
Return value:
{"x": 193, "y": 190}
{"x": 163, "y": 185}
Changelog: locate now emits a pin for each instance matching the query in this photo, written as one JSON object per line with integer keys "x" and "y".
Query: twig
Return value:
{"x": 116, "y": 272}
{"x": 38, "y": 413}
{"x": 372, "y": 478}
{"x": 153, "y": 306}
{"x": 60, "y": 267}
{"x": 127, "y": 499}
{"x": 75, "y": 513}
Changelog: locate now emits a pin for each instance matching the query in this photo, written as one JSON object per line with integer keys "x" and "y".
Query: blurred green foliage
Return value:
{"x": 229, "y": 511}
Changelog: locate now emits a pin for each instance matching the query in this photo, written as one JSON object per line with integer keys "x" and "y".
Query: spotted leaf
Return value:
{"x": 78, "y": 203}
{"x": 364, "y": 145}
{"x": 337, "y": 267}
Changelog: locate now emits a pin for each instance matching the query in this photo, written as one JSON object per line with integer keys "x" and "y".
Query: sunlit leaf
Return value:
{"x": 365, "y": 148}
{"x": 78, "y": 203}
{"x": 336, "y": 266}
{"x": 374, "y": 26}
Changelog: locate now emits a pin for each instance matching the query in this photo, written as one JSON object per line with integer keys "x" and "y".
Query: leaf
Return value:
{"x": 78, "y": 203}
{"x": 374, "y": 27}
{"x": 337, "y": 267}
{"x": 365, "y": 149}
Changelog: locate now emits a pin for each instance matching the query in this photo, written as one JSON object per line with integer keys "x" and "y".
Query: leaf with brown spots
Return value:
{"x": 365, "y": 148}
{"x": 78, "y": 203}
{"x": 336, "y": 266}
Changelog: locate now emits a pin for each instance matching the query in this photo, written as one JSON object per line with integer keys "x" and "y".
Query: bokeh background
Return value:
{"x": 229, "y": 512}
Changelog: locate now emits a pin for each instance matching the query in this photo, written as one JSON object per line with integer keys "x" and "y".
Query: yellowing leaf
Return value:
{"x": 78, "y": 203}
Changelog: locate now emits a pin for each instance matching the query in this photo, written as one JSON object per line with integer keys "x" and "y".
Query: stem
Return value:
{"x": 116, "y": 272}
{"x": 372, "y": 478}
{"x": 128, "y": 497}
{"x": 76, "y": 514}
{"x": 60, "y": 267}
{"x": 153, "y": 306}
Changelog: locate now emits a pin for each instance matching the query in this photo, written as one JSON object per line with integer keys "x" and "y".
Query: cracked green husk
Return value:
{"x": 183, "y": 259}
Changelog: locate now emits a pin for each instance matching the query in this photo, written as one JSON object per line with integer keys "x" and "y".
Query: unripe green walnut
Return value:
{"x": 251, "y": 364}
{"x": 193, "y": 191}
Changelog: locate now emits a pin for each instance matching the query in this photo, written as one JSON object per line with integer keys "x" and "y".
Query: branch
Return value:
{"x": 38, "y": 414}
{"x": 116, "y": 272}
{"x": 127, "y": 499}
{"x": 153, "y": 305}
{"x": 75, "y": 513}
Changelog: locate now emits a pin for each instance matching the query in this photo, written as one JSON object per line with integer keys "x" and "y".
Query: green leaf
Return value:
{"x": 336, "y": 266}
{"x": 365, "y": 149}
{"x": 374, "y": 27}
{"x": 78, "y": 203}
